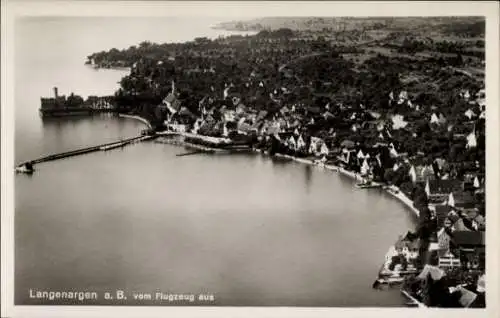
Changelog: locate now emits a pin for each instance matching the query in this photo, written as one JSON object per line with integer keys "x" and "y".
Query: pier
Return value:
{"x": 81, "y": 151}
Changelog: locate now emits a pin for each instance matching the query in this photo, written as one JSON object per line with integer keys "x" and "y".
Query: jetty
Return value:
{"x": 86, "y": 150}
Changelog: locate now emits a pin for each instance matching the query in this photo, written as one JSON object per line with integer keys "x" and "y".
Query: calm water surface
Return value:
{"x": 246, "y": 228}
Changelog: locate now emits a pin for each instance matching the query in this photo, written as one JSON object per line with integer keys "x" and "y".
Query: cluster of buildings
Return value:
{"x": 454, "y": 191}
{"x": 60, "y": 105}
{"x": 272, "y": 92}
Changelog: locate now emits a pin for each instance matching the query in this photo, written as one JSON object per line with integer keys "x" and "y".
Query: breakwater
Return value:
{"x": 81, "y": 151}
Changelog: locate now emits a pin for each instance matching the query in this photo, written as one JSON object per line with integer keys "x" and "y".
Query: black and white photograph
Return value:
{"x": 248, "y": 155}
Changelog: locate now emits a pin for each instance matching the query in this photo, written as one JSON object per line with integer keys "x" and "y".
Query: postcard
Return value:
{"x": 249, "y": 158}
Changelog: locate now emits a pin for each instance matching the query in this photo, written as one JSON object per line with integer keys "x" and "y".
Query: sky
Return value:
{"x": 247, "y": 9}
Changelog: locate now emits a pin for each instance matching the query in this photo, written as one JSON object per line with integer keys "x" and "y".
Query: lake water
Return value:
{"x": 246, "y": 229}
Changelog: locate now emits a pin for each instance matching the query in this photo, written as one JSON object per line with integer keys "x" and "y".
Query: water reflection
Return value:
{"x": 308, "y": 171}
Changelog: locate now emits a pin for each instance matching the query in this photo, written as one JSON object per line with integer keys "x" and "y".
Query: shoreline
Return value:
{"x": 392, "y": 190}
{"x": 110, "y": 68}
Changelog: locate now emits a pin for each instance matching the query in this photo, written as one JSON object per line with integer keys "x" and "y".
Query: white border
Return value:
{"x": 240, "y": 10}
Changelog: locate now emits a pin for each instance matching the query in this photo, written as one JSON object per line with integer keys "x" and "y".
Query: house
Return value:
{"x": 229, "y": 115}
{"x": 347, "y": 156}
{"x": 425, "y": 173}
{"x": 439, "y": 190}
{"x": 479, "y": 223}
{"x": 172, "y": 103}
{"x": 470, "y": 114}
{"x": 272, "y": 129}
{"x": 477, "y": 220}
{"x": 451, "y": 219}
{"x": 207, "y": 128}
{"x": 300, "y": 143}
{"x": 292, "y": 144}
{"x": 463, "y": 200}
{"x": 441, "y": 213}
{"x": 469, "y": 246}
{"x": 244, "y": 128}
{"x": 403, "y": 95}
{"x": 409, "y": 248}
{"x": 446, "y": 259}
{"x": 398, "y": 122}
{"x": 444, "y": 239}
{"x": 434, "y": 119}
{"x": 196, "y": 126}
{"x": 460, "y": 226}
{"x": 471, "y": 140}
{"x": 176, "y": 127}
{"x": 422, "y": 174}
{"x": 240, "y": 109}
{"x": 324, "y": 151}
{"x": 261, "y": 115}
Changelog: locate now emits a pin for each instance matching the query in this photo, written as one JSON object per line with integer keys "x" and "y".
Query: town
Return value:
{"x": 399, "y": 104}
